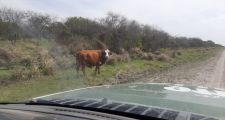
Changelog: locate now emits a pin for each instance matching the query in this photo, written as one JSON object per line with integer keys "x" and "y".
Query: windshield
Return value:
{"x": 161, "y": 51}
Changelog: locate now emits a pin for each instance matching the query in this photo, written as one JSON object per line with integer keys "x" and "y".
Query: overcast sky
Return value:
{"x": 190, "y": 18}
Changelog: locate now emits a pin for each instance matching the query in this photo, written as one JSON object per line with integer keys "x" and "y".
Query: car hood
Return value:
{"x": 201, "y": 100}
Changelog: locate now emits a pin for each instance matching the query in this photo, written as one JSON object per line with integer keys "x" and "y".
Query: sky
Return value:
{"x": 191, "y": 18}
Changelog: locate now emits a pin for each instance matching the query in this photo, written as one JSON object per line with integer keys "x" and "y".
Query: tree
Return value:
{"x": 38, "y": 25}
{"x": 10, "y": 20}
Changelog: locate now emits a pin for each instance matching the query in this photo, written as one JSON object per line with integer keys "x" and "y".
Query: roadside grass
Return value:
{"x": 67, "y": 79}
{"x": 193, "y": 55}
{"x": 28, "y": 89}
{"x": 4, "y": 74}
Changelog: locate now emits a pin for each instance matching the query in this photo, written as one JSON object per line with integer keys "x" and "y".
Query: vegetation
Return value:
{"x": 37, "y": 51}
{"x": 115, "y": 31}
{"x": 65, "y": 78}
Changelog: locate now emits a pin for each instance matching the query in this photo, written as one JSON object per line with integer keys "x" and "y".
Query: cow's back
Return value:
{"x": 89, "y": 56}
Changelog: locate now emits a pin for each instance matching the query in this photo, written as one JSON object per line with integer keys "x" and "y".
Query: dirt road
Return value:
{"x": 218, "y": 76}
{"x": 210, "y": 73}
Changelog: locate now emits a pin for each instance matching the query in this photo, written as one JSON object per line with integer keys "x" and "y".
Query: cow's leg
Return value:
{"x": 96, "y": 68}
{"x": 83, "y": 69}
{"x": 77, "y": 68}
{"x": 78, "y": 63}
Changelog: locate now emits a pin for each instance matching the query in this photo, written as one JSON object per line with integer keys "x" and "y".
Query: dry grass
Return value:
{"x": 116, "y": 58}
{"x": 62, "y": 57}
{"x": 30, "y": 60}
{"x": 163, "y": 57}
{"x": 148, "y": 56}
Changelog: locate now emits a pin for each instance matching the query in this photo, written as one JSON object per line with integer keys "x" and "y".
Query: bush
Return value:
{"x": 139, "y": 54}
{"x": 162, "y": 57}
{"x": 46, "y": 63}
{"x": 34, "y": 71}
{"x": 6, "y": 55}
{"x": 27, "y": 61}
{"x": 173, "y": 54}
{"x": 78, "y": 43}
{"x": 2, "y": 63}
{"x": 20, "y": 73}
{"x": 115, "y": 58}
{"x": 148, "y": 56}
{"x": 157, "y": 52}
{"x": 136, "y": 53}
{"x": 179, "y": 53}
{"x": 62, "y": 57}
{"x": 112, "y": 61}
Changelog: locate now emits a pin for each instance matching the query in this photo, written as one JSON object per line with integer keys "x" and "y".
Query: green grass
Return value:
{"x": 192, "y": 55}
{"x": 31, "y": 88}
{"x": 4, "y": 74}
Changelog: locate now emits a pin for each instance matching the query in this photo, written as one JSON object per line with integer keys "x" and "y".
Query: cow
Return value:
{"x": 91, "y": 58}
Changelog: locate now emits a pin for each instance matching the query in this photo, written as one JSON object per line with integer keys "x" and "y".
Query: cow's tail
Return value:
{"x": 77, "y": 56}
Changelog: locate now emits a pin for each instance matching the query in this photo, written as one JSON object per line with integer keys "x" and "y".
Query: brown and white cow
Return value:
{"x": 91, "y": 58}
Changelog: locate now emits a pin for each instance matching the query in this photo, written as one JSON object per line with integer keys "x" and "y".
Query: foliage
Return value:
{"x": 115, "y": 31}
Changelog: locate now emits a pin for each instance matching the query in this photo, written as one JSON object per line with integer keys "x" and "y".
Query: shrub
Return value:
{"x": 112, "y": 61}
{"x": 46, "y": 63}
{"x": 139, "y": 54}
{"x": 20, "y": 73}
{"x": 62, "y": 57}
{"x": 138, "y": 43}
{"x": 2, "y": 63}
{"x": 173, "y": 54}
{"x": 179, "y": 53}
{"x": 116, "y": 58}
{"x": 6, "y": 55}
{"x": 126, "y": 57}
{"x": 48, "y": 70}
{"x": 34, "y": 71}
{"x": 148, "y": 56}
{"x": 136, "y": 53}
{"x": 162, "y": 57}
{"x": 157, "y": 52}
{"x": 27, "y": 61}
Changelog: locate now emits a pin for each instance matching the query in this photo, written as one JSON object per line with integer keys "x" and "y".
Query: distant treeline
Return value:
{"x": 116, "y": 31}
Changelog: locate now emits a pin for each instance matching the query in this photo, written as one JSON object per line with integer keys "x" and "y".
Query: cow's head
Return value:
{"x": 107, "y": 53}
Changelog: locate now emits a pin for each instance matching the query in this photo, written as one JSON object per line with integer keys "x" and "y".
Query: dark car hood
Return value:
{"x": 201, "y": 100}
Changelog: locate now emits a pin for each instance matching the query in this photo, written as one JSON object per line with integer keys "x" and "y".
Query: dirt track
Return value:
{"x": 218, "y": 77}
{"x": 206, "y": 73}
{"x": 210, "y": 73}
